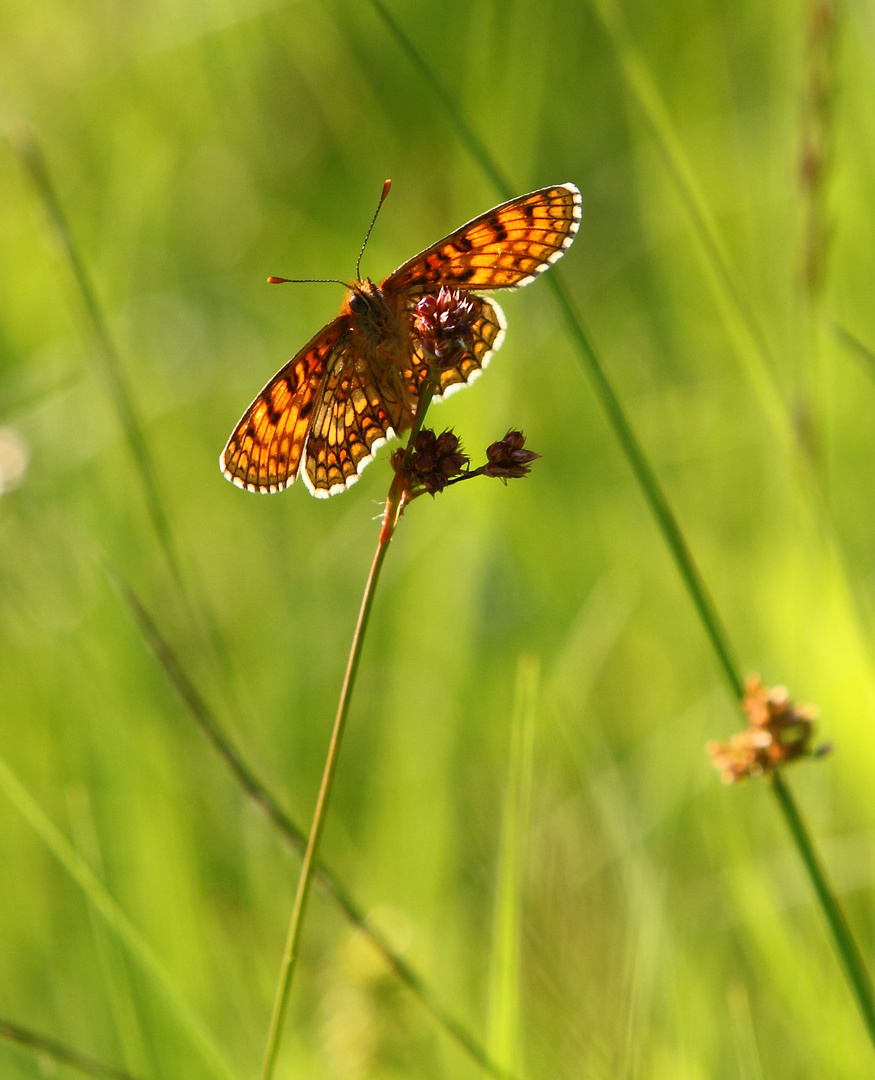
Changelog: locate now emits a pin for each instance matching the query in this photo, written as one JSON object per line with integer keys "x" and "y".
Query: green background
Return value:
{"x": 665, "y": 927}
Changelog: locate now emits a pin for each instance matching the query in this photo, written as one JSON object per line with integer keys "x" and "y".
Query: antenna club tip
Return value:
{"x": 277, "y": 280}
{"x": 386, "y": 187}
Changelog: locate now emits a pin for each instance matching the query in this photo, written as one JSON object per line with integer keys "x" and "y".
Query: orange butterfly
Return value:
{"x": 356, "y": 384}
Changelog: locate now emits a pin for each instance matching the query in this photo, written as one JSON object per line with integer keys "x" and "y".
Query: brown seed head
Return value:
{"x": 508, "y": 458}
{"x": 778, "y": 732}
{"x": 435, "y": 458}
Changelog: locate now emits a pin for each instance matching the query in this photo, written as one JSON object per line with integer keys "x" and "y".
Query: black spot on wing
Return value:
{"x": 498, "y": 229}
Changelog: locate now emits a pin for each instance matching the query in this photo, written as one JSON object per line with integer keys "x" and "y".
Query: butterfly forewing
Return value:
{"x": 264, "y": 452}
{"x": 502, "y": 249}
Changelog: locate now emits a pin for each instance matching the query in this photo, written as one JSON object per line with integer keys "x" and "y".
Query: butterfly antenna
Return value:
{"x": 305, "y": 281}
{"x": 385, "y": 192}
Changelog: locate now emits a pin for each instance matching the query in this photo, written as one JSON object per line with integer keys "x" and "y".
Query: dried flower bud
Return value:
{"x": 778, "y": 732}
{"x": 434, "y": 459}
{"x": 507, "y": 458}
{"x": 443, "y": 325}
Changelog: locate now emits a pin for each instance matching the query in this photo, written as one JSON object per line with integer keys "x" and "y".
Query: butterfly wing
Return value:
{"x": 355, "y": 416}
{"x": 504, "y": 248}
{"x": 264, "y": 452}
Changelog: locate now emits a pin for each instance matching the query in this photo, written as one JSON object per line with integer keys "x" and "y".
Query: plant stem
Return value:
{"x": 306, "y": 875}
{"x": 846, "y": 946}
{"x": 391, "y": 516}
{"x": 656, "y": 498}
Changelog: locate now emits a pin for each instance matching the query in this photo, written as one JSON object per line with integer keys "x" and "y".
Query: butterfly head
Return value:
{"x": 364, "y": 298}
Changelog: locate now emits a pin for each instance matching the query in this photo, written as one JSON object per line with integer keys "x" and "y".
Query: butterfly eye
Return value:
{"x": 358, "y": 304}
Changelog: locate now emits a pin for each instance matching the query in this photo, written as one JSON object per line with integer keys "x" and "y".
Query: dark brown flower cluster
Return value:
{"x": 508, "y": 458}
{"x": 433, "y": 460}
{"x": 436, "y": 461}
{"x": 443, "y": 325}
{"x": 778, "y": 732}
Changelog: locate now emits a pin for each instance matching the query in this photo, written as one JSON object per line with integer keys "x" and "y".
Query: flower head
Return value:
{"x": 507, "y": 458}
{"x": 778, "y": 732}
{"x": 443, "y": 325}
{"x": 433, "y": 460}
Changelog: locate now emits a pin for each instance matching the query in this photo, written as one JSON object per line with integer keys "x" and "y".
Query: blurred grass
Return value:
{"x": 667, "y": 930}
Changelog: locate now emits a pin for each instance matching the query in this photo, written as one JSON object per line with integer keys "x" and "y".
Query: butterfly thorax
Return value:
{"x": 379, "y": 333}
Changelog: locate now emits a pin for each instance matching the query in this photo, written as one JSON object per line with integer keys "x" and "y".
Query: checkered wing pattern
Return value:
{"x": 502, "y": 249}
{"x": 264, "y": 452}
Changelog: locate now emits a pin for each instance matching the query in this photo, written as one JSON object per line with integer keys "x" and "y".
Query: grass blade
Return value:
{"x": 505, "y": 1040}
{"x": 115, "y": 918}
{"x": 111, "y": 369}
{"x": 61, "y": 1052}
{"x": 846, "y": 946}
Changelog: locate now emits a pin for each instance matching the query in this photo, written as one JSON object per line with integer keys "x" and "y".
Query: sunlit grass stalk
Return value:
{"x": 391, "y": 516}
{"x": 505, "y": 1030}
{"x": 116, "y": 919}
{"x": 843, "y": 941}
{"x": 61, "y": 1052}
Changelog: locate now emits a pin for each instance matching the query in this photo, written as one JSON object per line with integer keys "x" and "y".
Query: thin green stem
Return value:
{"x": 653, "y": 493}
{"x": 847, "y": 948}
{"x": 391, "y": 517}
{"x": 305, "y": 878}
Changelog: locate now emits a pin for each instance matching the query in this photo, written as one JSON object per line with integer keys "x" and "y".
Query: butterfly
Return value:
{"x": 357, "y": 382}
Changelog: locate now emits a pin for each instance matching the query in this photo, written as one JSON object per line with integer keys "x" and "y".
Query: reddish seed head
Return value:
{"x": 434, "y": 459}
{"x": 443, "y": 325}
{"x": 508, "y": 459}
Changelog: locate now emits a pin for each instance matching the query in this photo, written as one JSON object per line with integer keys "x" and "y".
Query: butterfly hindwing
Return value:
{"x": 355, "y": 416}
{"x": 504, "y": 248}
